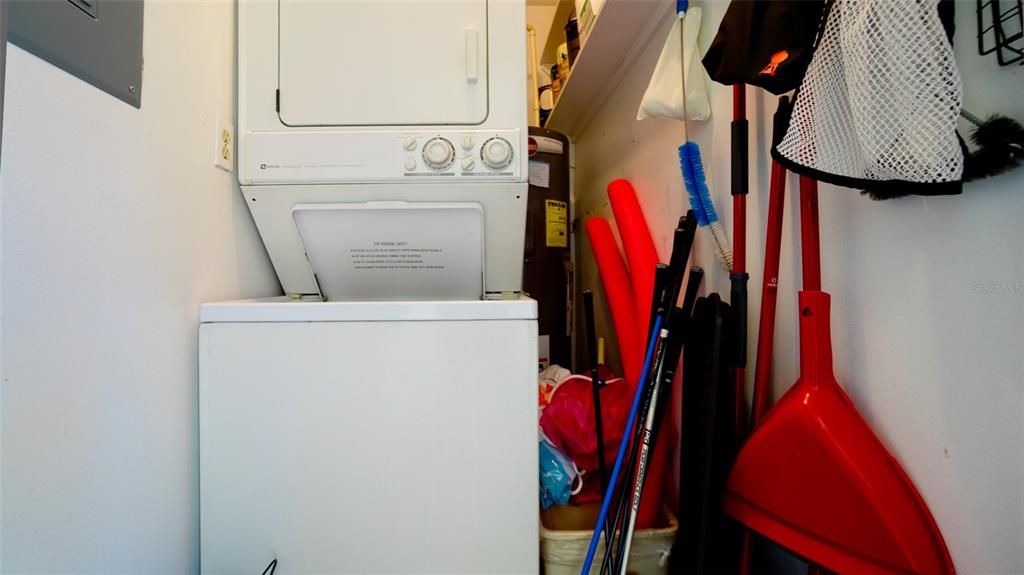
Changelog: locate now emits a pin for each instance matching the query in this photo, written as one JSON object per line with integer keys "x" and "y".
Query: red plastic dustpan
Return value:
{"x": 814, "y": 478}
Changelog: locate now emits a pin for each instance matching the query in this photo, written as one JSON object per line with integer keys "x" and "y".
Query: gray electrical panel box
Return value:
{"x": 99, "y": 41}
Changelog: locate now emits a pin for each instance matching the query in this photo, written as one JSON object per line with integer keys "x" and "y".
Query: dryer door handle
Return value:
{"x": 472, "y": 55}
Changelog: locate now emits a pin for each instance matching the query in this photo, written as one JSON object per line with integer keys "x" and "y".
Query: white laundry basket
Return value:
{"x": 563, "y": 551}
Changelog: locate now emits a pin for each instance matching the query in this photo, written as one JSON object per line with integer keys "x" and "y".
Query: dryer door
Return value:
{"x": 378, "y": 63}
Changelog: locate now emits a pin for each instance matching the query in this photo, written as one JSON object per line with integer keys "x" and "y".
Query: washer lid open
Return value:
{"x": 379, "y": 63}
{"x": 395, "y": 251}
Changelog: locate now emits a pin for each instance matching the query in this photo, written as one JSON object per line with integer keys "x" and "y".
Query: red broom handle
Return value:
{"x": 766, "y": 323}
{"x": 809, "y": 235}
{"x": 739, "y": 101}
{"x": 739, "y": 195}
{"x": 738, "y": 277}
{"x": 769, "y": 293}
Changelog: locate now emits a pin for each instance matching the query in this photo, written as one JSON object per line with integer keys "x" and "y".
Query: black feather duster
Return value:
{"x": 1000, "y": 147}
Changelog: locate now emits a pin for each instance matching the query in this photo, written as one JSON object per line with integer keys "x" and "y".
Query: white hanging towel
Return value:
{"x": 663, "y": 98}
{"x": 880, "y": 99}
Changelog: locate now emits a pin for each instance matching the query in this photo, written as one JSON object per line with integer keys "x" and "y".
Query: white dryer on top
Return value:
{"x": 335, "y": 91}
{"x": 343, "y": 101}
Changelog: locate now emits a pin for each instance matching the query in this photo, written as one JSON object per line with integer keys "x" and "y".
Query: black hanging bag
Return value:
{"x": 765, "y": 43}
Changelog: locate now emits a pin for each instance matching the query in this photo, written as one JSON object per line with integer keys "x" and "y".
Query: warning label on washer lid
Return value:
{"x": 386, "y": 255}
{"x": 556, "y": 217}
{"x": 394, "y": 250}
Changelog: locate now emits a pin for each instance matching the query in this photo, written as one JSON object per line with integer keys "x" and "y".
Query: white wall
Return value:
{"x": 928, "y": 318}
{"x": 115, "y": 227}
{"x": 541, "y": 16}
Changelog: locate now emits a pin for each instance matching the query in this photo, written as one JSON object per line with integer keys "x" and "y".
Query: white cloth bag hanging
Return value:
{"x": 663, "y": 98}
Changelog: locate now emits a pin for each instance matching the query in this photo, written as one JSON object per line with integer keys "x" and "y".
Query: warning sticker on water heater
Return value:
{"x": 540, "y": 174}
{"x": 556, "y": 216}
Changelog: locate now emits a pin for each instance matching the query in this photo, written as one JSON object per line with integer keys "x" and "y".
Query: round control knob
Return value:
{"x": 410, "y": 164}
{"x": 496, "y": 153}
{"x": 409, "y": 143}
{"x": 467, "y": 141}
{"x": 438, "y": 153}
{"x": 468, "y": 164}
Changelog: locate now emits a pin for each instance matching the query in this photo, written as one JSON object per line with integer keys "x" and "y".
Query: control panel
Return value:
{"x": 459, "y": 154}
{"x": 333, "y": 157}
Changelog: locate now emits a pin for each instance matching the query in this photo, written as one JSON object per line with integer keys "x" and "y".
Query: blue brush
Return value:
{"x": 700, "y": 199}
{"x": 697, "y": 189}
{"x": 693, "y": 172}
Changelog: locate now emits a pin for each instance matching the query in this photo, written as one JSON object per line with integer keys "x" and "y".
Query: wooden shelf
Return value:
{"x": 616, "y": 39}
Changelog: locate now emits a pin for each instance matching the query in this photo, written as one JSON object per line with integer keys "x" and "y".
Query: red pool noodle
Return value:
{"x": 642, "y": 258}
{"x": 639, "y": 247}
{"x": 619, "y": 292}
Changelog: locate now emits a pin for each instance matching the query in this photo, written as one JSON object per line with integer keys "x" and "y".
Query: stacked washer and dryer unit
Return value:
{"x": 343, "y": 435}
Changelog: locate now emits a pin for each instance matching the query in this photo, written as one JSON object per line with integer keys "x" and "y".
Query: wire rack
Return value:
{"x": 1001, "y": 30}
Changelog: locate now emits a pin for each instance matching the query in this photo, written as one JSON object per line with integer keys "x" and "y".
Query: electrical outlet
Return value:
{"x": 224, "y": 146}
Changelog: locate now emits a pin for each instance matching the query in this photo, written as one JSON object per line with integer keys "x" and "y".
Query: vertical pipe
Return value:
{"x": 531, "y": 74}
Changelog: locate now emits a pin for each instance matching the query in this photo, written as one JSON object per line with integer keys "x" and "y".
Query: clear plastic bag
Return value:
{"x": 560, "y": 479}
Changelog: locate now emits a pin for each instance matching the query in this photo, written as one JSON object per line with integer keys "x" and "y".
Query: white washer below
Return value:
{"x": 380, "y": 437}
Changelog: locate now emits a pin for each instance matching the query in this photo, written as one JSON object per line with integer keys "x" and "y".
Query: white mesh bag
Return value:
{"x": 880, "y": 99}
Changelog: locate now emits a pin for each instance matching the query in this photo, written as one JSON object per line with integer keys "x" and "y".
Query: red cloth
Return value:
{"x": 568, "y": 421}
